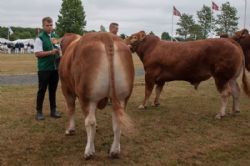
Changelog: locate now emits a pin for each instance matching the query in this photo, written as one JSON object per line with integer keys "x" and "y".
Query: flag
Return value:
{"x": 176, "y": 12}
{"x": 215, "y": 6}
{"x": 10, "y": 31}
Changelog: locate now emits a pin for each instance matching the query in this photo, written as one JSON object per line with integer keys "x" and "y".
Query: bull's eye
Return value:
{"x": 135, "y": 37}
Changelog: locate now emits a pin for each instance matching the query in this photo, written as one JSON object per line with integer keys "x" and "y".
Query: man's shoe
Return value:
{"x": 55, "y": 114}
{"x": 39, "y": 116}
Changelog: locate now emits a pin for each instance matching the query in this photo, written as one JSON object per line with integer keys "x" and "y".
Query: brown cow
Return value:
{"x": 93, "y": 68}
{"x": 194, "y": 62}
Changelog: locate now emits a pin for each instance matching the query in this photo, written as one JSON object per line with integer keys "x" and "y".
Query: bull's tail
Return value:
{"x": 123, "y": 119}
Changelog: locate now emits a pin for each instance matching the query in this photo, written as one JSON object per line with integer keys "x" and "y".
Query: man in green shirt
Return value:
{"x": 47, "y": 62}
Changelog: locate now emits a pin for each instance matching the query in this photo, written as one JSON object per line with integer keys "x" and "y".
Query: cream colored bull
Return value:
{"x": 93, "y": 68}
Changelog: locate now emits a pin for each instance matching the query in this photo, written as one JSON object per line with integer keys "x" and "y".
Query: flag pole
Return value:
{"x": 8, "y": 34}
{"x": 245, "y": 14}
{"x": 211, "y": 17}
{"x": 172, "y": 26}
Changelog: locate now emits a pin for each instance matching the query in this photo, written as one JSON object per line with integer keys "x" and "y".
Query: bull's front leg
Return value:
{"x": 70, "y": 100}
{"x": 90, "y": 125}
{"x": 148, "y": 91}
{"x": 158, "y": 91}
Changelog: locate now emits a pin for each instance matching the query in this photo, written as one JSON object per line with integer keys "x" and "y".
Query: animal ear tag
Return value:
{"x": 142, "y": 35}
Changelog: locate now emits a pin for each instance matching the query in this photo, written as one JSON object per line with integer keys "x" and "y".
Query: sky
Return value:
{"x": 132, "y": 15}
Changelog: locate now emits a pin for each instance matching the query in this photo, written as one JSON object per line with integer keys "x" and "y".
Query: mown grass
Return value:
{"x": 182, "y": 131}
{"x": 17, "y": 63}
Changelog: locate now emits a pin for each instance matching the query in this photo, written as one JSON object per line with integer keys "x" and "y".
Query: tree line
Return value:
{"x": 226, "y": 22}
{"x": 18, "y": 33}
{"x": 71, "y": 19}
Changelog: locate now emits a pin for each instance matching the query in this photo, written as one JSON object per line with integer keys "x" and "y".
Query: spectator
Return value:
{"x": 16, "y": 48}
{"x": 113, "y": 28}
{"x": 21, "y": 48}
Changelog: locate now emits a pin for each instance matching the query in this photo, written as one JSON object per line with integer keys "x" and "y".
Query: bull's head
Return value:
{"x": 67, "y": 39}
{"x": 135, "y": 39}
{"x": 241, "y": 34}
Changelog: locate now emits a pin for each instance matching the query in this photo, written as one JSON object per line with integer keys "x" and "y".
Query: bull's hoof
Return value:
{"x": 88, "y": 156}
{"x": 156, "y": 105}
{"x": 114, "y": 155}
{"x": 70, "y": 132}
{"x": 236, "y": 111}
{"x": 142, "y": 107}
{"x": 219, "y": 116}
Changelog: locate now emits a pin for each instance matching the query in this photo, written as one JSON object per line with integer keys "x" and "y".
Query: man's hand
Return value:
{"x": 54, "y": 51}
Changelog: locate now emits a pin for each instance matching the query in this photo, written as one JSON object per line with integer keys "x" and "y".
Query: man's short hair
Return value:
{"x": 113, "y": 24}
{"x": 47, "y": 19}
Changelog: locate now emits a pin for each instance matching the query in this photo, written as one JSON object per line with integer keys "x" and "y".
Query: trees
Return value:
{"x": 151, "y": 33}
{"x": 186, "y": 22}
{"x": 227, "y": 21}
{"x": 102, "y": 28}
{"x": 71, "y": 18}
{"x": 205, "y": 18}
{"x": 123, "y": 36}
{"x": 165, "y": 36}
{"x": 19, "y": 33}
{"x": 196, "y": 32}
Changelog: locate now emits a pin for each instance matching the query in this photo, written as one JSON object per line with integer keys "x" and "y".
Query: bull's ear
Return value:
{"x": 56, "y": 41}
{"x": 142, "y": 35}
{"x": 244, "y": 33}
{"x": 241, "y": 34}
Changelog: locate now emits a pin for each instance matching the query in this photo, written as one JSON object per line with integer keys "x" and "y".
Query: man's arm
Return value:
{"x": 39, "y": 49}
{"x": 41, "y": 54}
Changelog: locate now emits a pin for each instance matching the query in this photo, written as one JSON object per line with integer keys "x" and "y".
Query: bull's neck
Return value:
{"x": 146, "y": 46}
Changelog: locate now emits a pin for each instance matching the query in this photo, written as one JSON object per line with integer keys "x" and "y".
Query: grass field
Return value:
{"x": 182, "y": 131}
{"x": 17, "y": 63}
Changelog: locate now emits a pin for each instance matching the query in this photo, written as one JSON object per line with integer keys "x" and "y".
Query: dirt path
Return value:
{"x": 31, "y": 79}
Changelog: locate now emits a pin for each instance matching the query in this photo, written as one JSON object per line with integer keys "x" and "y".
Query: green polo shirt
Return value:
{"x": 47, "y": 63}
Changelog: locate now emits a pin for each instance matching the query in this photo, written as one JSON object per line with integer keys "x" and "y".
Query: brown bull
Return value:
{"x": 93, "y": 68}
{"x": 194, "y": 62}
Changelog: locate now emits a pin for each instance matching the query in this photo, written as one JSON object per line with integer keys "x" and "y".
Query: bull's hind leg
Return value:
{"x": 225, "y": 93}
{"x": 235, "y": 94}
{"x": 115, "y": 148}
{"x": 90, "y": 125}
{"x": 158, "y": 91}
{"x": 70, "y": 100}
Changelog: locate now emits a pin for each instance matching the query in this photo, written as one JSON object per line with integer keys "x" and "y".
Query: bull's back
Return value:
{"x": 65, "y": 66}
{"x": 93, "y": 69}
{"x": 192, "y": 53}
{"x": 194, "y": 61}
{"x": 123, "y": 69}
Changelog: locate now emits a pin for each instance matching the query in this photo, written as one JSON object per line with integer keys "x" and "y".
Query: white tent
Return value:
{"x": 24, "y": 41}
{"x": 3, "y": 40}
